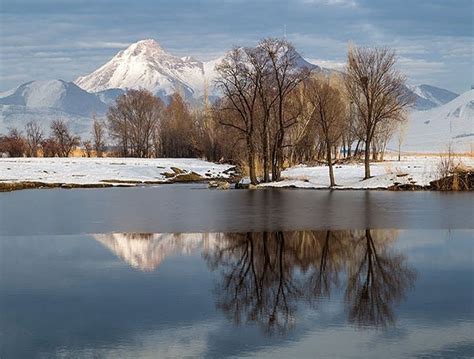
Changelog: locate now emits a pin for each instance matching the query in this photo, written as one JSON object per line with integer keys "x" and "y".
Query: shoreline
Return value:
{"x": 25, "y": 185}
{"x": 413, "y": 173}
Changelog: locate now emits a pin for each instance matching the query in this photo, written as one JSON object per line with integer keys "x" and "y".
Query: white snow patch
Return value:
{"x": 76, "y": 170}
{"x": 418, "y": 170}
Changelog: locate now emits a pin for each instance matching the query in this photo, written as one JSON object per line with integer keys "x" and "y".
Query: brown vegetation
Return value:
{"x": 66, "y": 142}
{"x": 134, "y": 121}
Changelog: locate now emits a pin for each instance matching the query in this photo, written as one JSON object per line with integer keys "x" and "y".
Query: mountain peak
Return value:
{"x": 147, "y": 47}
{"x": 147, "y": 43}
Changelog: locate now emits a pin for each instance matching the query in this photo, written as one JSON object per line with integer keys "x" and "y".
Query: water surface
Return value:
{"x": 87, "y": 273}
{"x": 194, "y": 208}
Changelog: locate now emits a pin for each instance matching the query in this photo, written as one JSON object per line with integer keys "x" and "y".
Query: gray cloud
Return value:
{"x": 64, "y": 39}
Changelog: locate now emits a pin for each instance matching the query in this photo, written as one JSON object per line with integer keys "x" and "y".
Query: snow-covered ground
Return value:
{"x": 99, "y": 170}
{"x": 451, "y": 124}
{"x": 418, "y": 170}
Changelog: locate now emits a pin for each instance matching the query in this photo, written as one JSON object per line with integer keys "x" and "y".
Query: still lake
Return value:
{"x": 183, "y": 271}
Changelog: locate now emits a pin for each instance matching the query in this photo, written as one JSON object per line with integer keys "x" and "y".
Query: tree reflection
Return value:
{"x": 257, "y": 279}
{"x": 377, "y": 279}
{"x": 265, "y": 275}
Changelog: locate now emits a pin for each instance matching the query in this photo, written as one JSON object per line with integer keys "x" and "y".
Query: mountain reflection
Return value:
{"x": 146, "y": 251}
{"x": 264, "y": 276}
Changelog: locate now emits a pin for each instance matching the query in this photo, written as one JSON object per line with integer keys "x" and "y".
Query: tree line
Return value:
{"x": 273, "y": 112}
{"x": 61, "y": 142}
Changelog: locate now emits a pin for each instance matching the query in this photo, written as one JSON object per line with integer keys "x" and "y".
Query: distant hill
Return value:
{"x": 55, "y": 94}
{"x": 435, "y": 129}
{"x": 45, "y": 101}
{"x": 428, "y": 97}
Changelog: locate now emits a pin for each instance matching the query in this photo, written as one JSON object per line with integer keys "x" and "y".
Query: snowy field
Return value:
{"x": 76, "y": 170}
{"x": 418, "y": 170}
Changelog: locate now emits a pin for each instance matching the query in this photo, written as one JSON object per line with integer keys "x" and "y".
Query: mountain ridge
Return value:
{"x": 144, "y": 64}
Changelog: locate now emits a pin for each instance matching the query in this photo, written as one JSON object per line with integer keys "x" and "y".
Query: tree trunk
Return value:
{"x": 357, "y": 149}
{"x": 374, "y": 153}
{"x": 331, "y": 171}
{"x": 251, "y": 159}
{"x": 367, "y": 159}
{"x": 266, "y": 174}
{"x": 277, "y": 158}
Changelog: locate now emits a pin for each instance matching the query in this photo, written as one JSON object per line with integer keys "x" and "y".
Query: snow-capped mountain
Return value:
{"x": 45, "y": 101}
{"x": 436, "y": 129}
{"x": 55, "y": 94}
{"x": 145, "y": 64}
{"x": 428, "y": 97}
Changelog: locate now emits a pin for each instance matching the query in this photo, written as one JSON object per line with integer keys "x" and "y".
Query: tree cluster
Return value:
{"x": 142, "y": 125}
{"x": 284, "y": 115}
{"x": 257, "y": 103}
{"x": 33, "y": 142}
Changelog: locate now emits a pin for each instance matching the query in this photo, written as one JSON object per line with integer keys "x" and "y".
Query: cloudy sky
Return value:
{"x": 44, "y": 39}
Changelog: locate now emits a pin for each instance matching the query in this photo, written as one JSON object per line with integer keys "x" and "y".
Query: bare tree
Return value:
{"x": 377, "y": 90}
{"x": 65, "y": 140}
{"x": 285, "y": 77}
{"x": 50, "y": 147}
{"x": 34, "y": 136}
{"x": 257, "y": 84}
{"x": 87, "y": 145}
{"x": 98, "y": 137}
{"x": 260, "y": 63}
{"x": 238, "y": 109}
{"x": 402, "y": 129}
{"x": 382, "y": 135}
{"x": 177, "y": 130}
{"x": 329, "y": 113}
{"x": 133, "y": 120}
{"x": 14, "y": 143}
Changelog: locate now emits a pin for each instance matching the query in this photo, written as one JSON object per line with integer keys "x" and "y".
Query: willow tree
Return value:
{"x": 329, "y": 114}
{"x": 377, "y": 90}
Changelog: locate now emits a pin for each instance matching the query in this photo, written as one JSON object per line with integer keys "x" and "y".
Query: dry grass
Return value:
{"x": 452, "y": 173}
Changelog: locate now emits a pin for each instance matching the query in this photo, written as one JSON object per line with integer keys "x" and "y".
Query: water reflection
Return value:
{"x": 265, "y": 276}
{"x": 146, "y": 251}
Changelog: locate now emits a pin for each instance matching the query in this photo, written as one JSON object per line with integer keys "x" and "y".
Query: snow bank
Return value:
{"x": 414, "y": 170}
{"x": 82, "y": 171}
